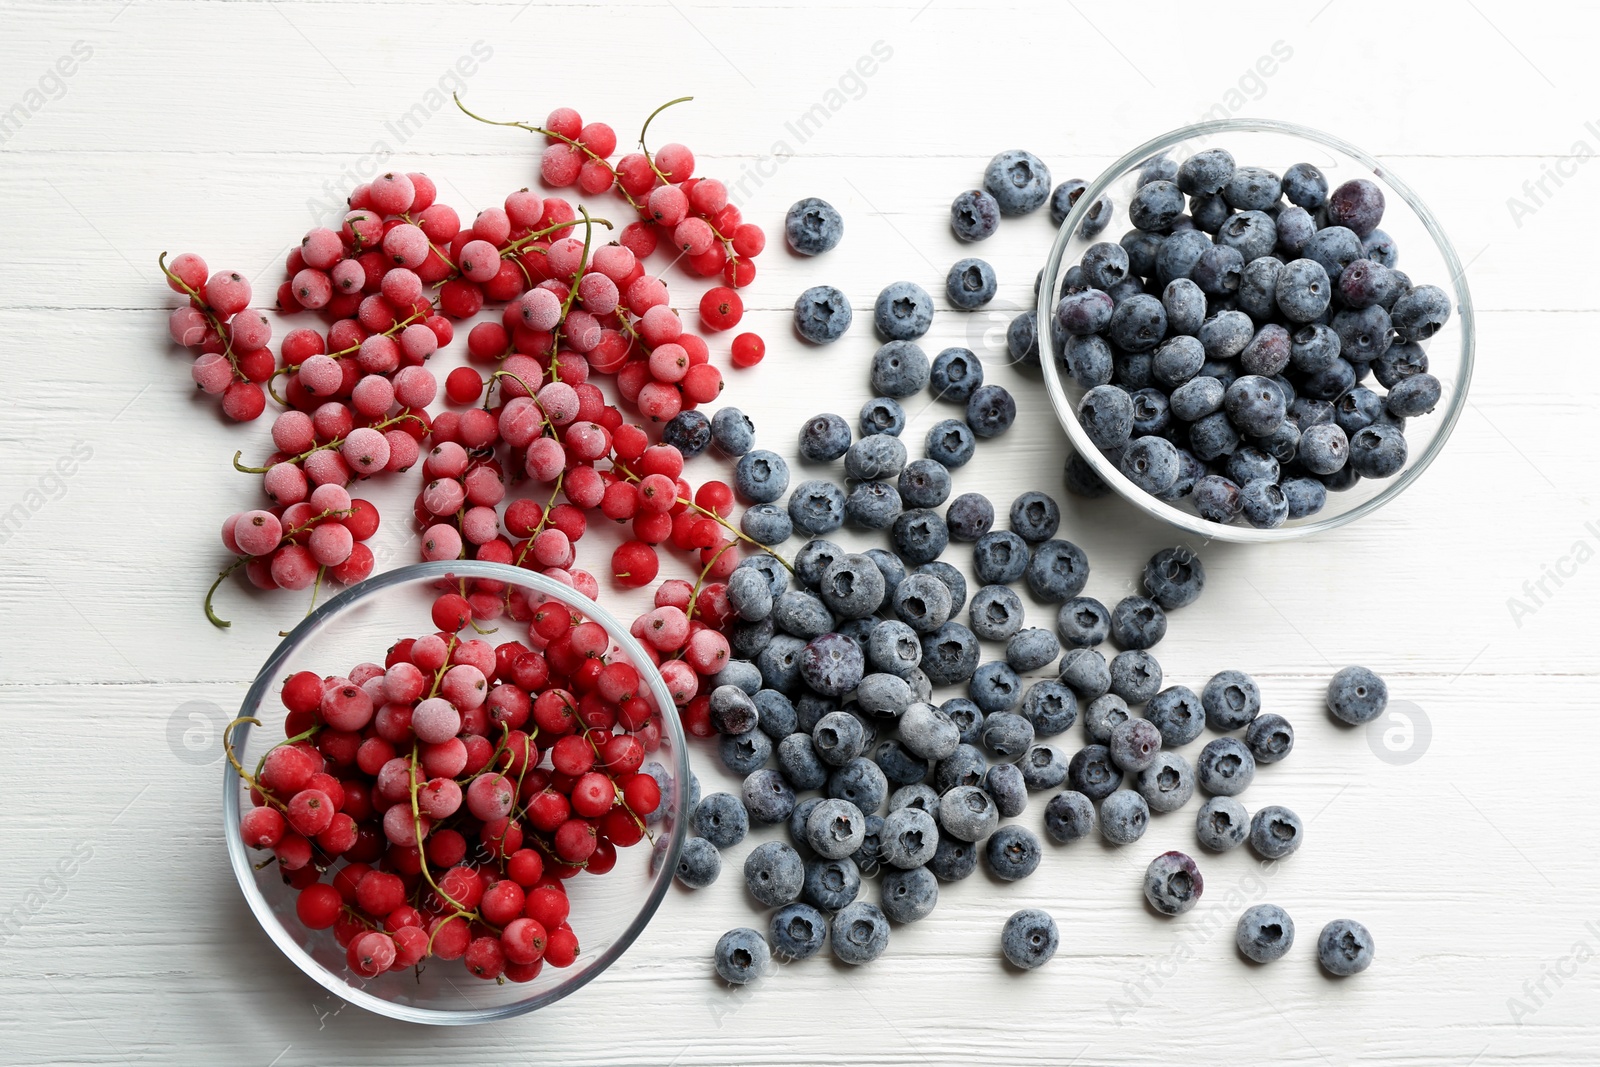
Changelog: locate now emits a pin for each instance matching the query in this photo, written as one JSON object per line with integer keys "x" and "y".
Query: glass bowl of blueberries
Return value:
{"x": 495, "y": 914}
{"x": 1253, "y": 331}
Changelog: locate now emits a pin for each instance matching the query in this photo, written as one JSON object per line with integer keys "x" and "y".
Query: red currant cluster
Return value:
{"x": 231, "y": 339}
{"x": 412, "y": 807}
{"x": 392, "y": 279}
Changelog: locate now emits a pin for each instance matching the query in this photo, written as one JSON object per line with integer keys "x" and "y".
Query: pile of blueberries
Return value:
{"x": 1223, "y": 342}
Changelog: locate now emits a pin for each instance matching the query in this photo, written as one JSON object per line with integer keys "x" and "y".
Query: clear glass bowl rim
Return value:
{"x": 1066, "y": 412}
{"x": 259, "y": 691}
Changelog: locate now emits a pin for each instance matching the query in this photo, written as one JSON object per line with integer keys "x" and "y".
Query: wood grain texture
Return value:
{"x": 219, "y": 127}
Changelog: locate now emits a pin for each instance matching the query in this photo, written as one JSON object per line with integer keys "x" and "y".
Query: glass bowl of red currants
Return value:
{"x": 449, "y": 820}
{"x": 1253, "y": 331}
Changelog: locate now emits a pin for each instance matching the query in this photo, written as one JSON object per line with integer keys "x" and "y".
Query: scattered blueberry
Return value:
{"x": 822, "y": 314}
{"x": 1222, "y": 824}
{"x": 1265, "y": 933}
{"x": 813, "y": 226}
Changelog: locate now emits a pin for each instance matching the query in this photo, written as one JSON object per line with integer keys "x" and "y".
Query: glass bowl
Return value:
{"x": 608, "y": 912}
{"x": 1425, "y": 254}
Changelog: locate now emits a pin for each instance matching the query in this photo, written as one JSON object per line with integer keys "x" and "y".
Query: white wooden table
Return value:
{"x": 219, "y": 128}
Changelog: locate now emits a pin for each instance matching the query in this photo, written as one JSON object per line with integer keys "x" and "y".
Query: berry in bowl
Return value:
{"x": 453, "y": 821}
{"x": 1279, "y": 342}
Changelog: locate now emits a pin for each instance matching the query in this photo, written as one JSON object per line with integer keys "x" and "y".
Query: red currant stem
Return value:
{"x": 705, "y": 572}
{"x": 646, "y": 129}
{"x": 303, "y": 735}
{"x": 572, "y": 293}
{"x": 355, "y": 232}
{"x": 564, "y": 139}
{"x": 494, "y": 757}
{"x": 549, "y": 427}
{"x": 219, "y": 623}
{"x": 438, "y": 675}
{"x": 410, "y": 319}
{"x": 212, "y": 317}
{"x": 718, "y": 519}
{"x": 441, "y": 253}
{"x": 335, "y": 443}
{"x": 515, "y": 246}
{"x": 233, "y": 758}
{"x": 543, "y": 520}
{"x": 422, "y": 853}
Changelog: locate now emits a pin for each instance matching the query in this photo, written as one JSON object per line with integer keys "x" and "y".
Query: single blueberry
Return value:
{"x": 903, "y": 311}
{"x": 824, "y": 438}
{"x": 797, "y": 932}
{"x": 1091, "y": 772}
{"x": 1275, "y": 832}
{"x": 1221, "y": 824}
{"x": 742, "y": 956}
{"x": 970, "y": 284}
{"x": 774, "y": 874}
{"x": 1345, "y": 947}
{"x": 1012, "y": 852}
{"x": 899, "y": 369}
{"x": 1069, "y": 816}
{"x": 1167, "y": 784}
{"x": 816, "y": 507}
{"x": 974, "y": 215}
{"x": 761, "y": 476}
{"x": 1029, "y": 938}
{"x": 699, "y": 863}
{"x": 1124, "y": 817}
{"x": 1232, "y": 699}
{"x": 721, "y": 819}
{"x": 1357, "y": 695}
{"x": 831, "y": 884}
{"x": 883, "y": 415}
{"x": 910, "y": 895}
{"x": 822, "y": 314}
{"x": 813, "y": 226}
{"x": 1172, "y": 883}
{"x": 1225, "y": 767}
{"x": 1265, "y": 933}
{"x": 1019, "y": 181}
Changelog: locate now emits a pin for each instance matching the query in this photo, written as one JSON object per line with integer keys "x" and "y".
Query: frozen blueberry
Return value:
{"x": 1270, "y": 738}
{"x": 813, "y": 226}
{"x": 884, "y": 695}
{"x": 1303, "y": 291}
{"x": 903, "y": 312}
{"x": 1306, "y": 496}
{"x": 969, "y": 517}
{"x": 732, "y": 711}
{"x": 1377, "y": 451}
{"x": 925, "y": 483}
{"x": 832, "y": 664}
{"x": 838, "y": 738}
{"x": 1324, "y": 448}
{"x": 1151, "y": 412}
{"x": 1174, "y": 578}
{"x": 1084, "y": 671}
{"x": 767, "y": 796}
{"x": 893, "y": 570}
{"x": 990, "y": 411}
{"x": 883, "y": 415}
{"x": 974, "y": 215}
{"x": 774, "y": 874}
{"x": 1167, "y": 784}
{"x": 893, "y": 648}
{"x": 1221, "y": 824}
{"x": 1218, "y": 270}
{"x": 1138, "y": 322}
{"x": 1184, "y": 305}
{"x": 1124, "y": 817}
{"x": 1057, "y": 571}
{"x": 1035, "y": 516}
{"x": 831, "y": 884}
{"x": 1135, "y": 675}
{"x": 910, "y": 895}
{"x": 1252, "y": 233}
{"x": 1254, "y": 404}
{"x": 970, "y": 284}
{"x": 1084, "y": 311}
{"x": 1088, "y": 360}
{"x": 1081, "y": 479}
{"x": 951, "y": 442}
{"x": 928, "y": 732}
{"x": 799, "y": 763}
{"x": 949, "y": 654}
{"x": 1102, "y": 717}
{"x": 744, "y": 753}
{"x": 1357, "y": 204}
{"x": 995, "y": 688}
{"x": 1258, "y": 298}
{"x": 967, "y": 716}
{"x": 1305, "y": 186}
{"x": 1178, "y": 714}
{"x": 1178, "y": 254}
{"x": 1275, "y": 832}
{"x": 699, "y": 863}
{"x": 1000, "y": 557}
{"x": 968, "y": 813}
{"x": 852, "y": 587}
{"x": 1151, "y": 463}
{"x": 1345, "y": 947}
{"x": 816, "y": 507}
{"x": 797, "y": 932}
{"x": 955, "y": 373}
{"x": 689, "y": 432}
{"x": 1137, "y": 622}
{"x": 1421, "y": 312}
{"x": 761, "y": 476}
{"x": 1364, "y": 335}
{"x": 919, "y": 535}
{"x": 1210, "y": 438}
{"x": 1006, "y": 784}
{"x": 953, "y": 860}
{"x": 1069, "y": 816}
{"x": 1357, "y": 695}
{"x": 800, "y": 613}
{"x": 899, "y": 369}
{"x": 721, "y": 819}
{"x": 1172, "y": 883}
{"x": 915, "y": 795}
{"x": 1050, "y": 706}
{"x": 1225, "y": 767}
{"x": 859, "y": 933}
{"x": 766, "y": 524}
{"x": 1231, "y": 699}
{"x": 822, "y": 314}
{"x": 872, "y": 505}
{"x": 898, "y": 764}
{"x": 742, "y": 956}
{"x": 737, "y": 672}
{"x": 965, "y": 766}
{"x": 1043, "y": 767}
{"x": 909, "y": 837}
{"x": 1295, "y": 227}
{"x": 1082, "y": 622}
{"x": 750, "y": 596}
{"x": 1091, "y": 772}
{"x": 1265, "y": 933}
{"x": 1012, "y": 852}
{"x": 1019, "y": 181}
{"x": 1416, "y": 395}
{"x": 824, "y": 438}
{"x": 1205, "y": 172}
{"x": 861, "y": 782}
{"x": 1334, "y": 248}
{"x": 1029, "y": 938}
{"x": 1263, "y": 504}
{"x": 1022, "y": 339}
{"x": 1104, "y": 264}
{"x": 1134, "y": 744}
{"x": 952, "y": 580}
{"x": 1030, "y": 649}
{"x": 1155, "y": 207}
{"x": 1252, "y": 189}
{"x": 834, "y": 829}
